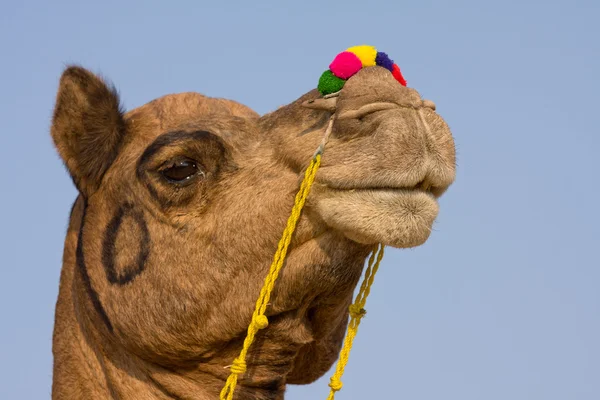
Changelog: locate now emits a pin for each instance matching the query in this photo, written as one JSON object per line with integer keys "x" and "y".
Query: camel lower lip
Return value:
{"x": 395, "y": 217}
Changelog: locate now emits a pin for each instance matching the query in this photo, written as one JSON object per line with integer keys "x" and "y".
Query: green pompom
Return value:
{"x": 329, "y": 83}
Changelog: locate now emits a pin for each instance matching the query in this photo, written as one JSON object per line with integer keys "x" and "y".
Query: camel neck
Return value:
{"x": 98, "y": 369}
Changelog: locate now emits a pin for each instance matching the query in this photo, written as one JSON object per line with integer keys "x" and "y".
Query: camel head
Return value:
{"x": 182, "y": 203}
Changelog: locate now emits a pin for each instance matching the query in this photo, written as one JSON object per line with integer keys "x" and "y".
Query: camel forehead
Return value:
{"x": 176, "y": 111}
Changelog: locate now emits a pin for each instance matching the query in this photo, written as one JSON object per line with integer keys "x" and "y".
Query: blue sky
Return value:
{"x": 501, "y": 303}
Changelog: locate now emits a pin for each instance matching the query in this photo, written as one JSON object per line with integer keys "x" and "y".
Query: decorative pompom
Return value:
{"x": 366, "y": 54}
{"x": 398, "y": 75}
{"x": 349, "y": 62}
{"x": 329, "y": 83}
{"x": 384, "y": 61}
{"x": 345, "y": 64}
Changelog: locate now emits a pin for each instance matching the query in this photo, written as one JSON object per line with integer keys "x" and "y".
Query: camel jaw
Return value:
{"x": 400, "y": 218}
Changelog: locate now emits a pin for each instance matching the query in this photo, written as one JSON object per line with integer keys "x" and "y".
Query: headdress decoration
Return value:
{"x": 349, "y": 62}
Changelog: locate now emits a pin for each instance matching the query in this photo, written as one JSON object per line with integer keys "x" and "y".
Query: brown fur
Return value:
{"x": 160, "y": 279}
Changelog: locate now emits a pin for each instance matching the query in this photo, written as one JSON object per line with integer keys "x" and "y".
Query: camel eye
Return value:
{"x": 181, "y": 171}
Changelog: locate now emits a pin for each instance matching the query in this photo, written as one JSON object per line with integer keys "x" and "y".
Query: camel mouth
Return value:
{"x": 422, "y": 186}
{"x": 416, "y": 188}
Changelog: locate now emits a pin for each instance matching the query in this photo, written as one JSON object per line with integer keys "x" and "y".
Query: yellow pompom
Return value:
{"x": 367, "y": 54}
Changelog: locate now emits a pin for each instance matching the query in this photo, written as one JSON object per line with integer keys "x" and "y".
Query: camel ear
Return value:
{"x": 87, "y": 127}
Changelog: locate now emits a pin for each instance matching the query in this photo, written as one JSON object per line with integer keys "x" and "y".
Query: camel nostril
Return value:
{"x": 429, "y": 104}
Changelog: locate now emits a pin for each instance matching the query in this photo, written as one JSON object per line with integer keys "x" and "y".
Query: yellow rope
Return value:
{"x": 259, "y": 319}
{"x": 357, "y": 311}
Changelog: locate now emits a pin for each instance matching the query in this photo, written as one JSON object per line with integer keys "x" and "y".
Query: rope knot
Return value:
{"x": 261, "y": 321}
{"x": 335, "y": 384}
{"x": 238, "y": 366}
{"x": 357, "y": 311}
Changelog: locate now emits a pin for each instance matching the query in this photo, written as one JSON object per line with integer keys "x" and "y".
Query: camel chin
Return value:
{"x": 395, "y": 217}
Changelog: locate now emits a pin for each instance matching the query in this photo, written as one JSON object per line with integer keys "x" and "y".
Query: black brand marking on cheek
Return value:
{"x": 108, "y": 246}
{"x": 80, "y": 260}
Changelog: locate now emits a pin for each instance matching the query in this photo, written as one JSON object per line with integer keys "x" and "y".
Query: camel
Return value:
{"x": 181, "y": 205}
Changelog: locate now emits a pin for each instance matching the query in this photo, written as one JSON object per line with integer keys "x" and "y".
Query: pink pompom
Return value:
{"x": 345, "y": 65}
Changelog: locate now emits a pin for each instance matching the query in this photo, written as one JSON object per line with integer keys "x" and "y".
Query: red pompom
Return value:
{"x": 398, "y": 75}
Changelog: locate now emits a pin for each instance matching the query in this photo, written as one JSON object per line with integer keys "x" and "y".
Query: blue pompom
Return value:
{"x": 384, "y": 61}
